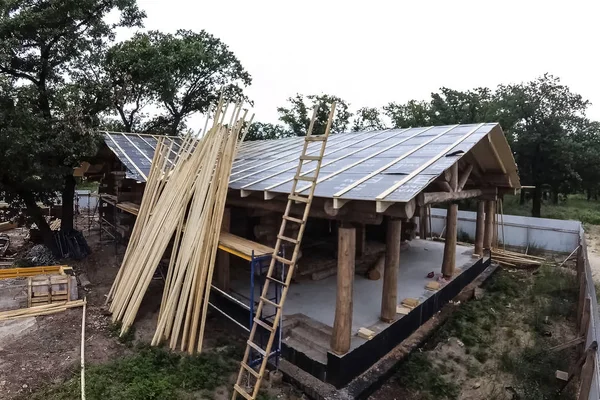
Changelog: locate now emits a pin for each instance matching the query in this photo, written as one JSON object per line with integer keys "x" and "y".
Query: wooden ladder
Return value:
{"x": 294, "y": 197}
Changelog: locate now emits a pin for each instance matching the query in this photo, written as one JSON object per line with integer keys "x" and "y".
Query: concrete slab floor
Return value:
{"x": 316, "y": 299}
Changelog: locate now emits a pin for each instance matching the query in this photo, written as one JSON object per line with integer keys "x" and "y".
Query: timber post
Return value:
{"x": 449, "y": 260}
{"x": 489, "y": 224}
{"x": 423, "y": 222}
{"x": 223, "y": 259}
{"x": 389, "y": 295}
{"x": 342, "y": 325}
{"x": 479, "y": 228}
{"x": 495, "y": 227}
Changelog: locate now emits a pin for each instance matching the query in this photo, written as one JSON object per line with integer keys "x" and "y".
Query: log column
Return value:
{"x": 222, "y": 256}
{"x": 479, "y": 228}
{"x": 489, "y": 224}
{"x": 449, "y": 260}
{"x": 423, "y": 222}
{"x": 495, "y": 227}
{"x": 389, "y": 297}
{"x": 342, "y": 325}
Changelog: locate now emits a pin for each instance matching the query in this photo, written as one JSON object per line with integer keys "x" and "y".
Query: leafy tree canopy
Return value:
{"x": 265, "y": 130}
{"x": 367, "y": 119}
{"x": 49, "y": 106}
{"x": 181, "y": 73}
{"x": 297, "y": 114}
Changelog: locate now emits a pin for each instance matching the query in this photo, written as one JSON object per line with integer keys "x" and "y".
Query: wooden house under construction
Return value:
{"x": 369, "y": 274}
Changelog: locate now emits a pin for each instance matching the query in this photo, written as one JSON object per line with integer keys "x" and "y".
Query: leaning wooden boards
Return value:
{"x": 187, "y": 187}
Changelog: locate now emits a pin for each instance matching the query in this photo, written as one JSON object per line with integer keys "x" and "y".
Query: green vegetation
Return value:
{"x": 115, "y": 331}
{"x": 151, "y": 373}
{"x": 418, "y": 372}
{"x": 504, "y": 336}
{"x": 575, "y": 207}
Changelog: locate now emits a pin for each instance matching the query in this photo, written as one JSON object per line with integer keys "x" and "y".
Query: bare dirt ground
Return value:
{"x": 44, "y": 350}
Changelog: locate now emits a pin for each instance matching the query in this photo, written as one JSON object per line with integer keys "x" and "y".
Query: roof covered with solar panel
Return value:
{"x": 381, "y": 167}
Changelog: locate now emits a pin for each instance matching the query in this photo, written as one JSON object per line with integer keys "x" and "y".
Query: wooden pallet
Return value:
{"x": 294, "y": 197}
{"x": 48, "y": 289}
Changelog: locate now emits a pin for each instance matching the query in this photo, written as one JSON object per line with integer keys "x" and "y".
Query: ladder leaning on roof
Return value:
{"x": 284, "y": 283}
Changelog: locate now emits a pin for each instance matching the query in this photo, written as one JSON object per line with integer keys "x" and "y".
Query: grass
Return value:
{"x": 115, "y": 331}
{"x": 418, "y": 372}
{"x": 505, "y": 333}
{"x": 575, "y": 207}
{"x": 151, "y": 373}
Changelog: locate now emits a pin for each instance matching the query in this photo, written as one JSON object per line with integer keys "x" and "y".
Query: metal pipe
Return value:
{"x": 228, "y": 317}
{"x": 230, "y": 297}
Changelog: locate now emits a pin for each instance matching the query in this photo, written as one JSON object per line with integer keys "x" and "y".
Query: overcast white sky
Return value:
{"x": 373, "y": 52}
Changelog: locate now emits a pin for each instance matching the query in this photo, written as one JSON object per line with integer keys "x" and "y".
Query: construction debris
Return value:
{"x": 40, "y": 310}
{"x": 410, "y": 302}
{"x": 516, "y": 260}
{"x": 188, "y": 190}
{"x": 6, "y": 226}
{"x": 365, "y": 333}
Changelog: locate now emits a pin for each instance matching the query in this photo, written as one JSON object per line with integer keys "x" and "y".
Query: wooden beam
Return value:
{"x": 489, "y": 224}
{"x": 449, "y": 260}
{"x": 342, "y": 325}
{"x": 389, "y": 295}
{"x": 479, "y": 228}
{"x": 442, "y": 197}
{"x": 223, "y": 261}
{"x": 496, "y": 155}
{"x": 298, "y": 209}
{"x": 399, "y": 210}
{"x": 587, "y": 375}
{"x": 465, "y": 177}
{"x": 454, "y": 177}
{"x": 444, "y": 186}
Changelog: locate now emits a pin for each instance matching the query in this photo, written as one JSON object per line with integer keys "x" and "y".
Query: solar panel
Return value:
{"x": 399, "y": 163}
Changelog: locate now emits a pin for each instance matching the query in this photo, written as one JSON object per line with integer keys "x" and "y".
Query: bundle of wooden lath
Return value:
{"x": 515, "y": 260}
{"x": 183, "y": 202}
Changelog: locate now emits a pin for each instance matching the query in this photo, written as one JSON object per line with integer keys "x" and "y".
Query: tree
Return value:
{"x": 298, "y": 113}
{"x": 542, "y": 119}
{"x": 265, "y": 130}
{"x": 367, "y": 118}
{"x": 44, "y": 47}
{"x": 451, "y": 106}
{"x": 183, "y": 72}
{"x": 413, "y": 113}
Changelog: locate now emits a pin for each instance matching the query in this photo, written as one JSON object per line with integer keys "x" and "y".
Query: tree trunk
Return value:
{"x": 36, "y": 215}
{"x": 536, "y": 209}
{"x": 522, "y": 198}
{"x": 589, "y": 194}
{"x": 68, "y": 196}
{"x": 555, "y": 196}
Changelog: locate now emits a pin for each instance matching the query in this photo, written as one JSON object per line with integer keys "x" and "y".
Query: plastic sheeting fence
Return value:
{"x": 550, "y": 234}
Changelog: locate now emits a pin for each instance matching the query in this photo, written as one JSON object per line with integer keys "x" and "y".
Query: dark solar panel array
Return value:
{"x": 392, "y": 165}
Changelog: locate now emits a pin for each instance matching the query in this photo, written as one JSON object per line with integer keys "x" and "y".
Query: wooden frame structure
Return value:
{"x": 382, "y": 178}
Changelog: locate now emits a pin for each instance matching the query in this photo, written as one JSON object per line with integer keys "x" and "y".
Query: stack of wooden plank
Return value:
{"x": 516, "y": 260}
{"x": 187, "y": 190}
{"x": 40, "y": 310}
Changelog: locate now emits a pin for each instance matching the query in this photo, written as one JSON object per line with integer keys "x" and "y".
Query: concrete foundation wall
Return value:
{"x": 550, "y": 234}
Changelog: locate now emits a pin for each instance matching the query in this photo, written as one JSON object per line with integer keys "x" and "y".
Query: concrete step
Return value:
{"x": 307, "y": 349}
